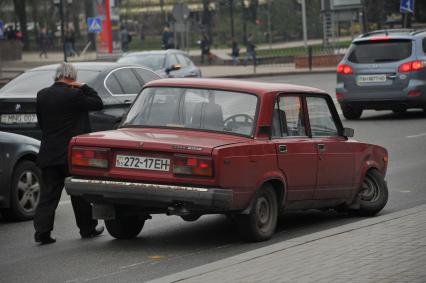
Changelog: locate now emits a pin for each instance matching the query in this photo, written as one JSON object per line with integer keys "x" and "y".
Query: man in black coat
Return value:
{"x": 62, "y": 112}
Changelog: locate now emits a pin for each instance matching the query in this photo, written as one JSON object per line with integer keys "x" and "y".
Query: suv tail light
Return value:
{"x": 192, "y": 165}
{"x": 344, "y": 69}
{"x": 90, "y": 157}
{"x": 411, "y": 66}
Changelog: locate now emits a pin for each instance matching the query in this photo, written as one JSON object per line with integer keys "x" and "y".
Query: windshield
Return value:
{"x": 204, "y": 109}
{"x": 152, "y": 61}
{"x": 29, "y": 83}
{"x": 380, "y": 51}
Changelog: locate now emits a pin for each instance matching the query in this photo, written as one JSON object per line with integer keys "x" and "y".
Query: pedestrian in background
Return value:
{"x": 235, "y": 52}
{"x": 167, "y": 39}
{"x": 205, "y": 49}
{"x": 251, "y": 50}
{"x": 62, "y": 112}
{"x": 43, "y": 42}
{"x": 68, "y": 41}
{"x": 124, "y": 35}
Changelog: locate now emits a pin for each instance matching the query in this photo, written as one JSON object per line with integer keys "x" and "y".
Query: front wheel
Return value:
{"x": 124, "y": 227}
{"x": 260, "y": 223}
{"x": 373, "y": 195}
{"x": 25, "y": 191}
{"x": 351, "y": 113}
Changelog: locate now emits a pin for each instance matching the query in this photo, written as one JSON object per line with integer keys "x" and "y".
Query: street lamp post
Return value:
{"x": 305, "y": 30}
{"x": 231, "y": 11}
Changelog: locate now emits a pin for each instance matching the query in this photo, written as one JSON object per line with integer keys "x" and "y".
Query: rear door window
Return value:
{"x": 128, "y": 81}
{"x": 367, "y": 52}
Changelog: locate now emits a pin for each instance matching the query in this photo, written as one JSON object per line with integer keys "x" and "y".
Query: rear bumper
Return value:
{"x": 151, "y": 196}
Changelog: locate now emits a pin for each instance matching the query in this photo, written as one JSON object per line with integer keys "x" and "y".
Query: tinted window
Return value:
{"x": 320, "y": 117}
{"x": 113, "y": 85}
{"x": 288, "y": 117}
{"x": 182, "y": 60}
{"x": 424, "y": 45}
{"x": 128, "y": 81}
{"x": 380, "y": 51}
{"x": 151, "y": 61}
{"x": 146, "y": 75}
{"x": 29, "y": 83}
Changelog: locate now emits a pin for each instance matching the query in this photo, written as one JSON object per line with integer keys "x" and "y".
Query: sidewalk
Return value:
{"x": 388, "y": 248}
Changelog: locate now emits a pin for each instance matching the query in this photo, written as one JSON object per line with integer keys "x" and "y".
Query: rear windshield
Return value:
{"x": 29, "y": 83}
{"x": 153, "y": 61}
{"x": 380, "y": 51}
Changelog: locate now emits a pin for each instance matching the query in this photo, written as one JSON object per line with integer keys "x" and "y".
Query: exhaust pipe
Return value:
{"x": 177, "y": 209}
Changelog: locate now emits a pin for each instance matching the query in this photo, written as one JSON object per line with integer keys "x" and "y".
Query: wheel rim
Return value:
{"x": 370, "y": 190}
{"x": 263, "y": 213}
{"x": 28, "y": 189}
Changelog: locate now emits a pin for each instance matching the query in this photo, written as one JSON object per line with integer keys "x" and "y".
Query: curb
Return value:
{"x": 265, "y": 251}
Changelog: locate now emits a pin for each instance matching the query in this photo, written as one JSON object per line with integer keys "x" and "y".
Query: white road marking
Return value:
{"x": 405, "y": 192}
{"x": 416, "y": 136}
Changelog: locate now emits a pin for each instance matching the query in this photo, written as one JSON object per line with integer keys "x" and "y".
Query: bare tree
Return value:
{"x": 20, "y": 12}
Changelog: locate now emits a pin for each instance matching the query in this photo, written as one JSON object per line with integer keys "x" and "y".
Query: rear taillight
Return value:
{"x": 411, "y": 66}
{"x": 340, "y": 96}
{"x": 344, "y": 69}
{"x": 192, "y": 165}
{"x": 90, "y": 157}
{"x": 380, "y": 38}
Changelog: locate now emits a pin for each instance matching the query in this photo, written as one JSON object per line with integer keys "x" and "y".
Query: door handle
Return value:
{"x": 321, "y": 146}
{"x": 282, "y": 148}
{"x": 128, "y": 101}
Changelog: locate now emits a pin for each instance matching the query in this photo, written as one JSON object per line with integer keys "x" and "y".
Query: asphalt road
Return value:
{"x": 167, "y": 244}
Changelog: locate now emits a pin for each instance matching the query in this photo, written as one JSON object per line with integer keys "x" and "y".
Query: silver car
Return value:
{"x": 383, "y": 70}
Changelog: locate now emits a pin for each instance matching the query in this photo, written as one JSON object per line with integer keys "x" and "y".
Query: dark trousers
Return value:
{"x": 53, "y": 178}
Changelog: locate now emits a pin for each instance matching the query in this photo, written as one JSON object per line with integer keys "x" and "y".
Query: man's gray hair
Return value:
{"x": 65, "y": 71}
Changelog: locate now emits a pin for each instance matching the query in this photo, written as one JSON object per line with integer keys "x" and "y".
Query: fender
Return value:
{"x": 267, "y": 177}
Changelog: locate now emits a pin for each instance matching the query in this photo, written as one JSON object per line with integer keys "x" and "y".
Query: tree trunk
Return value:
{"x": 20, "y": 11}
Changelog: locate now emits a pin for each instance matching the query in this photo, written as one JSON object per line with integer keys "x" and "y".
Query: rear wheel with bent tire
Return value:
{"x": 373, "y": 195}
{"x": 260, "y": 223}
{"x": 25, "y": 191}
{"x": 351, "y": 113}
{"x": 124, "y": 226}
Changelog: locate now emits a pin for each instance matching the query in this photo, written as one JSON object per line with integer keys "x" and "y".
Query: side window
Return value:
{"x": 424, "y": 45}
{"x": 113, "y": 85}
{"x": 128, "y": 81}
{"x": 320, "y": 117}
{"x": 173, "y": 60}
{"x": 146, "y": 75}
{"x": 288, "y": 117}
{"x": 182, "y": 60}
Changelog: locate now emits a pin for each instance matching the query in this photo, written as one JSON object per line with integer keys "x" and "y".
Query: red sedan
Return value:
{"x": 190, "y": 147}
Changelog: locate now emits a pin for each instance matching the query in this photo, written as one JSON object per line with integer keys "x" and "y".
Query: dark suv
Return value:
{"x": 383, "y": 70}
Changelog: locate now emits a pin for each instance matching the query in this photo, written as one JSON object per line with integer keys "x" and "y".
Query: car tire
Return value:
{"x": 190, "y": 217}
{"x": 124, "y": 227}
{"x": 373, "y": 194}
{"x": 351, "y": 113}
{"x": 25, "y": 191}
{"x": 260, "y": 223}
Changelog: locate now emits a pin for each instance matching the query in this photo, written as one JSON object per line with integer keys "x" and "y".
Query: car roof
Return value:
{"x": 153, "y": 52}
{"x": 385, "y": 34}
{"x": 94, "y": 66}
{"x": 259, "y": 88}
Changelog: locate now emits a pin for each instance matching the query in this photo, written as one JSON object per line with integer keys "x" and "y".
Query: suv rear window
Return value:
{"x": 380, "y": 51}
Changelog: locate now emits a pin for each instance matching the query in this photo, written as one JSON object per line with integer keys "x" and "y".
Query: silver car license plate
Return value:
{"x": 362, "y": 79}
{"x": 142, "y": 162}
{"x": 18, "y": 118}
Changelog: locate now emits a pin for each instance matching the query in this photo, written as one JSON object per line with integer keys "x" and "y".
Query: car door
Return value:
{"x": 296, "y": 153}
{"x": 335, "y": 152}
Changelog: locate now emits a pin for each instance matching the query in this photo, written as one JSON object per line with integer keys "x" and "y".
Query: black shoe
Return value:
{"x": 94, "y": 233}
{"x": 44, "y": 238}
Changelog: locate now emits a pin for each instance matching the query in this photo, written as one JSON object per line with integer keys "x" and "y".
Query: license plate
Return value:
{"x": 18, "y": 118}
{"x": 142, "y": 162}
{"x": 371, "y": 79}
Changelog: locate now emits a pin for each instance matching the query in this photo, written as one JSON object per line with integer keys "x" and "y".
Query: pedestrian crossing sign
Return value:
{"x": 94, "y": 24}
{"x": 407, "y": 6}
{"x": 1, "y": 30}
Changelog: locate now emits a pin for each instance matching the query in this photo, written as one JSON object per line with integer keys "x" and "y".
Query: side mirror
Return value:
{"x": 348, "y": 132}
{"x": 174, "y": 67}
